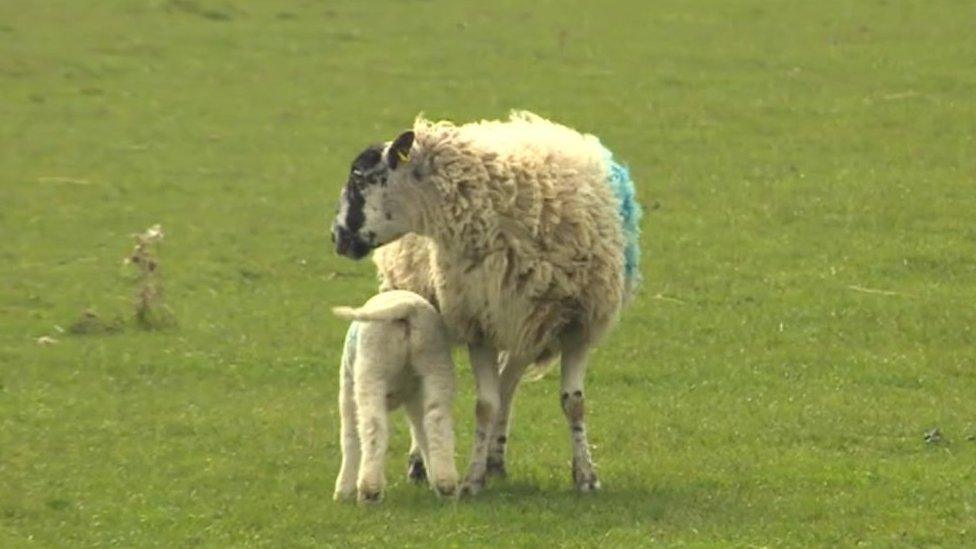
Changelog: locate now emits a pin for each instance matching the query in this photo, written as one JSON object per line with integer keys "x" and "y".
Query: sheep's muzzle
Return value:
{"x": 349, "y": 244}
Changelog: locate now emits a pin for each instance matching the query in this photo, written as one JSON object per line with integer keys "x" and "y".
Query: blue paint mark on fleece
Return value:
{"x": 630, "y": 215}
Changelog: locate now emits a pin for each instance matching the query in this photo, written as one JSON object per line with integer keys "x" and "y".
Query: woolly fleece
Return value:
{"x": 523, "y": 239}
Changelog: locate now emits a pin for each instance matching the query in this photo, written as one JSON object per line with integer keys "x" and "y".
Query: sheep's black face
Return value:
{"x": 367, "y": 174}
{"x": 371, "y": 210}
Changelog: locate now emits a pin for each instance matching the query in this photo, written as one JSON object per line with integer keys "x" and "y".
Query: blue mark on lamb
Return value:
{"x": 618, "y": 176}
{"x": 350, "y": 344}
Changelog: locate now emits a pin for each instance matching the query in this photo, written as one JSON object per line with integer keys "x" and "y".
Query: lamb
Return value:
{"x": 396, "y": 352}
{"x": 524, "y": 234}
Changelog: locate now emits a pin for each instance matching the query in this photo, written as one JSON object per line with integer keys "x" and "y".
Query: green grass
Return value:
{"x": 790, "y": 154}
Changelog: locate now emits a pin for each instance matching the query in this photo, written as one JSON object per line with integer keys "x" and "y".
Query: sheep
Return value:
{"x": 396, "y": 352}
{"x": 524, "y": 233}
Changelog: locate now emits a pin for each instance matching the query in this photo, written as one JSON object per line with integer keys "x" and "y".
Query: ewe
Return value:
{"x": 523, "y": 233}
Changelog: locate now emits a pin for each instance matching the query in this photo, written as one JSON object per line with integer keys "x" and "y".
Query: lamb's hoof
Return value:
{"x": 472, "y": 486}
{"x": 496, "y": 468}
{"x": 446, "y": 489}
{"x": 416, "y": 472}
{"x": 343, "y": 495}
{"x": 369, "y": 497}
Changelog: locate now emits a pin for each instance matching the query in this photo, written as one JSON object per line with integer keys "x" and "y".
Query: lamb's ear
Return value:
{"x": 400, "y": 150}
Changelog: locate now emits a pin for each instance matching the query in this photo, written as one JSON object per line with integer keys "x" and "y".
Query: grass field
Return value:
{"x": 809, "y": 174}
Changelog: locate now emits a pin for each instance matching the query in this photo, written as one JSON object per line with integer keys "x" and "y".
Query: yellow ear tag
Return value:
{"x": 403, "y": 156}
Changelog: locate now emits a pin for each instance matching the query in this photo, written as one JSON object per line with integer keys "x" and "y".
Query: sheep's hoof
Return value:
{"x": 585, "y": 477}
{"x": 370, "y": 497}
{"x": 496, "y": 468}
{"x": 472, "y": 486}
{"x": 591, "y": 484}
{"x": 585, "y": 481}
{"x": 343, "y": 495}
{"x": 416, "y": 472}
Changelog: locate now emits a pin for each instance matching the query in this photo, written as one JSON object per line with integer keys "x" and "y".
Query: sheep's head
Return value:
{"x": 378, "y": 203}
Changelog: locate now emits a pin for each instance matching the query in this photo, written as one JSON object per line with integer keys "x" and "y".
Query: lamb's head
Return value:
{"x": 379, "y": 202}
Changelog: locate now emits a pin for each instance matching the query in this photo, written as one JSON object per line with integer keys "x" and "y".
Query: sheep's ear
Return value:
{"x": 400, "y": 150}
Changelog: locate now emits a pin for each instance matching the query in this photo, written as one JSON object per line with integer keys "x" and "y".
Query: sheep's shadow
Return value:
{"x": 648, "y": 503}
{"x": 624, "y": 503}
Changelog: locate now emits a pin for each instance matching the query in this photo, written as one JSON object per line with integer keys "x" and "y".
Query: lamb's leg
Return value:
{"x": 373, "y": 436}
{"x": 414, "y": 407}
{"x": 573, "y": 371}
{"x": 511, "y": 375}
{"x": 485, "y": 367}
{"x": 346, "y": 481}
{"x": 438, "y": 427}
{"x": 416, "y": 472}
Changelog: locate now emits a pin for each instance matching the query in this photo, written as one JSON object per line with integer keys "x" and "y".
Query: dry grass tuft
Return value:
{"x": 150, "y": 311}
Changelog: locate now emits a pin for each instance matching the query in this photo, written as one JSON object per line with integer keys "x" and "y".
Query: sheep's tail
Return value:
{"x": 538, "y": 369}
{"x": 541, "y": 368}
{"x": 371, "y": 312}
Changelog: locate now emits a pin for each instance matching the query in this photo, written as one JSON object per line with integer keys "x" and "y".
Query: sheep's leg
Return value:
{"x": 373, "y": 436}
{"x": 346, "y": 481}
{"x": 573, "y": 372}
{"x": 510, "y": 377}
{"x": 485, "y": 367}
{"x": 416, "y": 472}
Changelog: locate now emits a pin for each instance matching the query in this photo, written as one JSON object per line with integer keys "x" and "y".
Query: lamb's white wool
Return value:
{"x": 512, "y": 229}
{"x": 396, "y": 352}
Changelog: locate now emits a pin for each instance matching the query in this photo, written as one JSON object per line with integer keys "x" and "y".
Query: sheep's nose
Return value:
{"x": 342, "y": 239}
